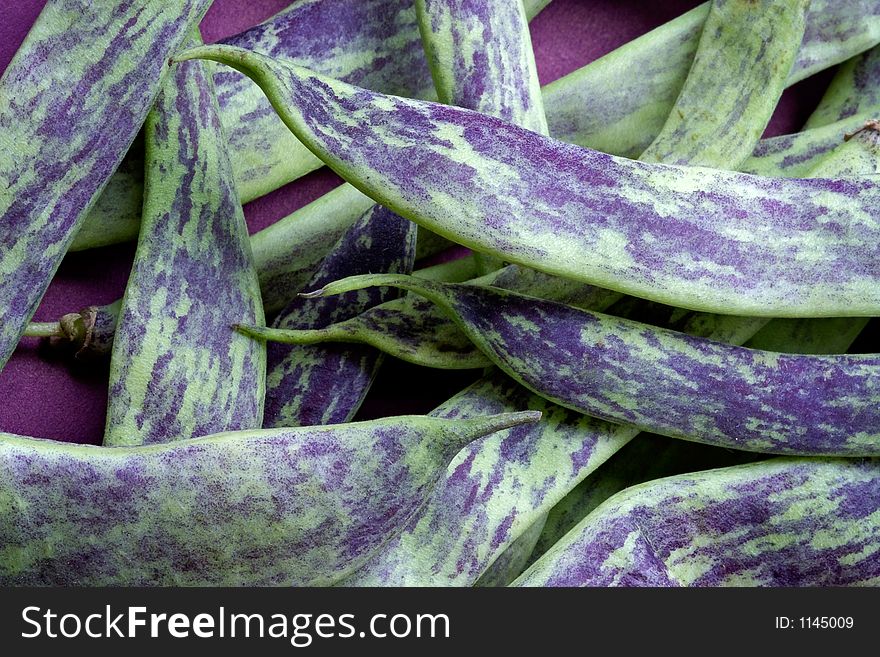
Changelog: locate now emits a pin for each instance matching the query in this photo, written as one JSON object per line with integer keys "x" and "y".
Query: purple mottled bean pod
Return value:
{"x": 697, "y": 238}
{"x": 177, "y": 369}
{"x": 71, "y": 102}
{"x": 663, "y": 381}
{"x": 300, "y": 506}
{"x": 783, "y": 522}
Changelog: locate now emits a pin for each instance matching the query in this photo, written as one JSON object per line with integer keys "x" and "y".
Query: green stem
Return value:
{"x": 43, "y": 330}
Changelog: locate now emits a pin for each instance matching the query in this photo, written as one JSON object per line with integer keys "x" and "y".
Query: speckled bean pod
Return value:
{"x": 696, "y": 238}
{"x": 176, "y": 369}
{"x": 783, "y": 522}
{"x": 71, "y": 103}
{"x": 664, "y": 381}
{"x": 745, "y": 55}
{"x": 301, "y": 506}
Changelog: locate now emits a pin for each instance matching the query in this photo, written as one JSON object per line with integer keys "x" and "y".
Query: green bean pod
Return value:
{"x": 71, "y": 103}
{"x": 744, "y": 57}
{"x": 661, "y": 380}
{"x": 783, "y": 522}
{"x": 302, "y": 506}
{"x": 855, "y": 89}
{"x": 176, "y": 369}
{"x": 415, "y": 330}
{"x": 742, "y": 245}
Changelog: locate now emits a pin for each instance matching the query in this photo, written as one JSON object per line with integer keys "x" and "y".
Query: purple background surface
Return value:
{"x": 41, "y": 396}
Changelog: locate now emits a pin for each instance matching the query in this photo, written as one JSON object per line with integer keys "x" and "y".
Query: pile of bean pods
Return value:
{"x": 657, "y": 305}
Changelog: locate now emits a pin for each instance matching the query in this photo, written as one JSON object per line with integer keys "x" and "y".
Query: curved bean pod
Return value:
{"x": 663, "y": 381}
{"x": 282, "y": 506}
{"x": 855, "y": 89}
{"x": 71, "y": 103}
{"x": 370, "y": 43}
{"x": 690, "y": 237}
{"x": 512, "y": 491}
{"x": 784, "y": 522}
{"x": 645, "y": 458}
{"x": 744, "y": 57}
{"x": 176, "y": 370}
{"x": 509, "y": 492}
{"x": 580, "y": 107}
{"x": 493, "y": 490}
{"x": 415, "y": 330}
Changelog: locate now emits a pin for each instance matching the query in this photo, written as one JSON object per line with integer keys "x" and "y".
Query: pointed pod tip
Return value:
{"x": 462, "y": 431}
{"x": 492, "y": 423}
{"x": 312, "y": 295}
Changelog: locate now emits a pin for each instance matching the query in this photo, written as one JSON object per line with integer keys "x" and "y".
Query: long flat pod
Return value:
{"x": 855, "y": 89}
{"x": 375, "y": 44}
{"x": 696, "y": 238}
{"x": 493, "y": 490}
{"x": 176, "y": 370}
{"x": 600, "y": 105}
{"x": 606, "y": 107}
{"x": 745, "y": 54}
{"x": 651, "y": 457}
{"x": 281, "y": 506}
{"x": 326, "y": 383}
{"x": 664, "y": 381}
{"x": 415, "y": 331}
{"x": 71, "y": 103}
{"x": 784, "y": 522}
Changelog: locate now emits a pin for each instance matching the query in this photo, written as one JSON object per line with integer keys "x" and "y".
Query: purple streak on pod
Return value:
{"x": 480, "y": 54}
{"x": 783, "y": 522}
{"x": 326, "y": 383}
{"x": 663, "y": 381}
{"x": 296, "y": 506}
{"x": 177, "y": 369}
{"x": 697, "y": 238}
{"x": 71, "y": 102}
